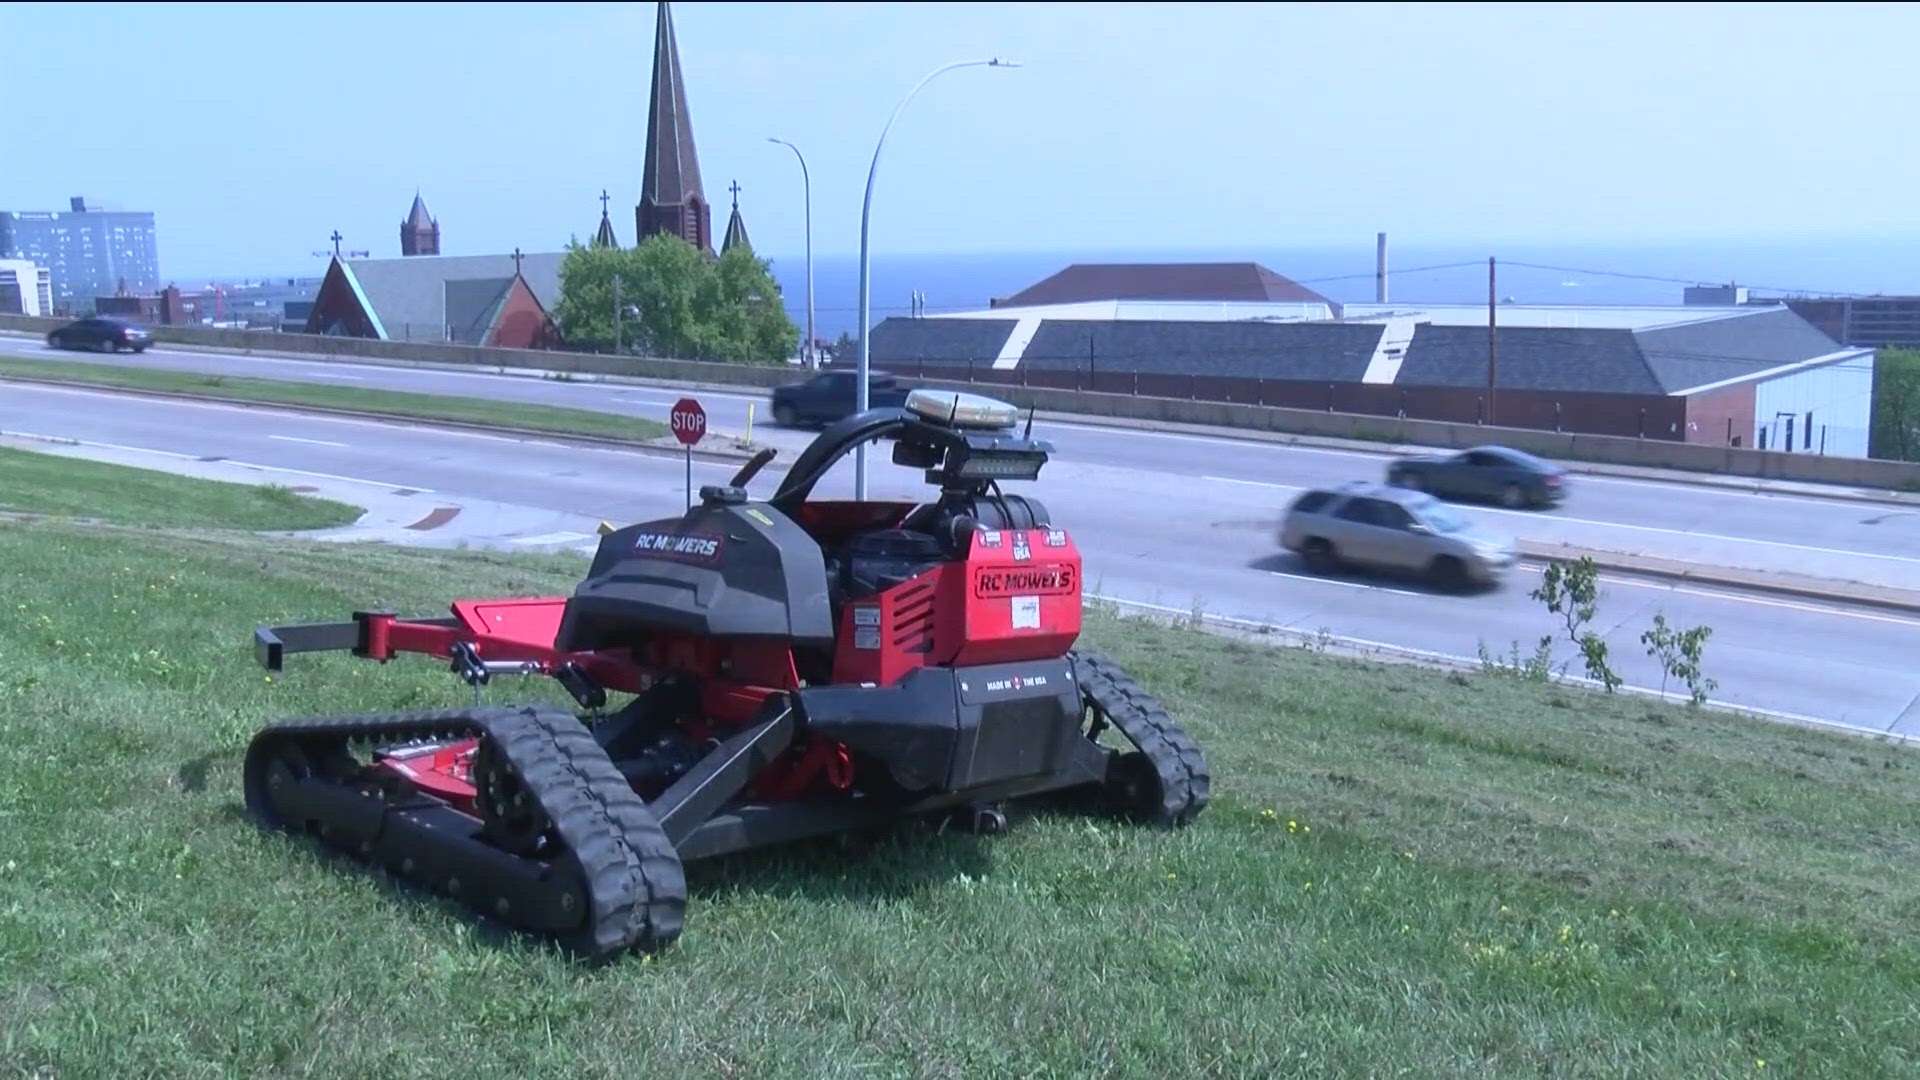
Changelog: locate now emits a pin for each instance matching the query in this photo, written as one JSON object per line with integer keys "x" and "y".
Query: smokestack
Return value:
{"x": 1380, "y": 272}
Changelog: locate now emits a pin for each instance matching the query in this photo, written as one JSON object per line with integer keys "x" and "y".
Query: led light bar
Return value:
{"x": 961, "y": 410}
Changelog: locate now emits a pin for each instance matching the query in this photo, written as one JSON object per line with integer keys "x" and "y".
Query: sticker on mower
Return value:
{"x": 866, "y": 616}
{"x": 1056, "y": 538}
{"x": 697, "y": 548}
{"x": 1026, "y": 615}
{"x": 1030, "y": 581}
{"x": 990, "y": 538}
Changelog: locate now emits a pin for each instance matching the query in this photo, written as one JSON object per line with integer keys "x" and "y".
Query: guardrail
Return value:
{"x": 1614, "y": 449}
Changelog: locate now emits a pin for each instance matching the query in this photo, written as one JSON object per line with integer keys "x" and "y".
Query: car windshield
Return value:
{"x": 1439, "y": 517}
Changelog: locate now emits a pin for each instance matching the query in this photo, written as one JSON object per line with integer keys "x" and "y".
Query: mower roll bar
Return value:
{"x": 834, "y": 443}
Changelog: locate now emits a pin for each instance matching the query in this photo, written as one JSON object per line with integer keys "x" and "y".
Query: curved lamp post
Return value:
{"x": 812, "y": 359}
{"x": 866, "y": 207}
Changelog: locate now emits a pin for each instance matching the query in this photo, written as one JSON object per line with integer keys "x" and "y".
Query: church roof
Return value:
{"x": 418, "y": 218}
{"x": 605, "y": 238}
{"x": 672, "y": 172}
{"x": 736, "y": 227}
{"x": 427, "y": 296}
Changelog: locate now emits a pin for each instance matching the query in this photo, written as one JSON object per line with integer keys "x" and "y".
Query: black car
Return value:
{"x": 101, "y": 335}
{"x": 829, "y": 396}
{"x": 1511, "y": 477}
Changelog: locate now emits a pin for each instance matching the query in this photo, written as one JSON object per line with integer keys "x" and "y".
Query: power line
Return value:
{"x": 1681, "y": 281}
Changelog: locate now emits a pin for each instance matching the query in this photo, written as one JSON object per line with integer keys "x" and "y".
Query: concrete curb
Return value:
{"x": 1906, "y": 601}
{"x": 665, "y": 449}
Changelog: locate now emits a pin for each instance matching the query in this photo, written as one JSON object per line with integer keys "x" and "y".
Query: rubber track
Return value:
{"x": 636, "y": 888}
{"x": 1185, "y": 784}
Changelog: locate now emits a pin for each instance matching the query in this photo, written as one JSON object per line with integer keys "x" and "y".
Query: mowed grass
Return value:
{"x": 548, "y": 418}
{"x": 35, "y": 483}
{"x": 1403, "y": 873}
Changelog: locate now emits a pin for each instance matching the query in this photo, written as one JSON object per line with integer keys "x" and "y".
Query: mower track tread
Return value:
{"x": 1185, "y": 783}
{"x": 631, "y": 873}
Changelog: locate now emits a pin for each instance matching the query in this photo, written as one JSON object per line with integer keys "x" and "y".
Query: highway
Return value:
{"x": 1828, "y": 537}
{"x": 1160, "y": 537}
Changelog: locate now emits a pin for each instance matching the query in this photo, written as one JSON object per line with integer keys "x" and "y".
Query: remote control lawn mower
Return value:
{"x": 795, "y": 668}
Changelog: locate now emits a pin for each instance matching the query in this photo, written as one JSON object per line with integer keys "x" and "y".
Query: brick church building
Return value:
{"x": 507, "y": 300}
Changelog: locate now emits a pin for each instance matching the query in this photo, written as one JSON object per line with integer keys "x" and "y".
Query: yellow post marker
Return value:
{"x": 749, "y": 423}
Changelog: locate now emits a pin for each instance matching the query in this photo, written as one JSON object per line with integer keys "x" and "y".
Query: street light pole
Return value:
{"x": 866, "y": 208}
{"x": 812, "y": 358}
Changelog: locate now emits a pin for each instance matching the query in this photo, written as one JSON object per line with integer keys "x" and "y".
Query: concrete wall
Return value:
{"x": 1652, "y": 453}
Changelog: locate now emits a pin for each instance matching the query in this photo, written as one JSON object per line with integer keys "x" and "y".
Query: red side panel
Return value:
{"x": 882, "y": 637}
{"x": 533, "y": 621}
{"x": 1017, "y": 598}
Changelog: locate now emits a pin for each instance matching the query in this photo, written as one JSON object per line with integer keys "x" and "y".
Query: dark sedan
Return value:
{"x": 101, "y": 335}
{"x": 1510, "y": 477}
{"x": 830, "y": 396}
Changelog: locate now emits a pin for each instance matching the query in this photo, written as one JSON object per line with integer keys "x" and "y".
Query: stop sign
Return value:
{"x": 689, "y": 421}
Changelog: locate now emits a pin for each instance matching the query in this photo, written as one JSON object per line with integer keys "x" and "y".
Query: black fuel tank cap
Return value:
{"x": 722, "y": 495}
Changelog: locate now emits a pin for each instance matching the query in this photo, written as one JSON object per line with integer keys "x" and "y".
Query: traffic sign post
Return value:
{"x": 689, "y": 422}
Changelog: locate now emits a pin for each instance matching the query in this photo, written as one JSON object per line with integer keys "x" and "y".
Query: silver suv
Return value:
{"x": 1389, "y": 528}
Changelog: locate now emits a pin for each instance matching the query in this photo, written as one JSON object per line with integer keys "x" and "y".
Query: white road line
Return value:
{"x": 309, "y": 442}
{"x": 62, "y": 439}
{"x": 335, "y": 375}
{"x": 1349, "y": 584}
{"x": 1255, "y": 483}
{"x": 1465, "y": 661}
{"x": 390, "y": 485}
{"x": 552, "y": 538}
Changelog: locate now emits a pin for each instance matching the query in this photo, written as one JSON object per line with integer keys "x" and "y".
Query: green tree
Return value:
{"x": 676, "y": 302}
{"x": 1896, "y": 405}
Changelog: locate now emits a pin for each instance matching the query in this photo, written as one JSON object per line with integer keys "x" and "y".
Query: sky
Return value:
{"x": 254, "y": 130}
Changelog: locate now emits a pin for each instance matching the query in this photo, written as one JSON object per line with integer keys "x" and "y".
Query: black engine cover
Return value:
{"x": 953, "y": 729}
{"x": 739, "y": 570}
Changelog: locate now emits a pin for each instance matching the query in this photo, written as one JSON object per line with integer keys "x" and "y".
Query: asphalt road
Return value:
{"x": 1159, "y": 537}
{"x": 1850, "y": 540}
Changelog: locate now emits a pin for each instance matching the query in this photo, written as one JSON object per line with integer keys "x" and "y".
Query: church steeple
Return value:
{"x": 671, "y": 199}
{"x": 604, "y": 238}
{"x": 736, "y": 228}
{"x": 420, "y": 233}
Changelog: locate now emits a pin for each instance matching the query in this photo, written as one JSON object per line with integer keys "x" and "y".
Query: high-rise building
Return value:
{"x": 88, "y": 251}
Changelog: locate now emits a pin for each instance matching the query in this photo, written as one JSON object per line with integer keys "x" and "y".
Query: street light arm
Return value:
{"x": 807, "y": 355}
{"x": 866, "y": 209}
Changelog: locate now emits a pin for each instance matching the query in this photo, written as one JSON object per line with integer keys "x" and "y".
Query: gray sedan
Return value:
{"x": 1387, "y": 528}
{"x": 1494, "y": 473}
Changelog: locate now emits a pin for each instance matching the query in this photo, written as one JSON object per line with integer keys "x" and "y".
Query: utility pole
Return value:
{"x": 1380, "y": 271}
{"x": 616, "y": 312}
{"x": 1493, "y": 342}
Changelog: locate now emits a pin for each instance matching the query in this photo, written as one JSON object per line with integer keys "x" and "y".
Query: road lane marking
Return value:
{"x": 310, "y": 442}
{"x": 65, "y": 441}
{"x": 552, "y": 538}
{"x": 1256, "y": 483}
{"x": 331, "y": 476}
{"x": 1369, "y": 586}
{"x": 1472, "y": 662}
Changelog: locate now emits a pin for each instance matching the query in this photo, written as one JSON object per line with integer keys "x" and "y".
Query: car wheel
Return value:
{"x": 783, "y": 415}
{"x": 1512, "y": 496}
{"x": 1449, "y": 574}
{"x": 1320, "y": 556}
{"x": 109, "y": 345}
{"x": 54, "y": 341}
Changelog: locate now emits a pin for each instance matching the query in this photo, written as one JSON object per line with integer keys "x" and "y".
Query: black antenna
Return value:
{"x": 1029, "y": 434}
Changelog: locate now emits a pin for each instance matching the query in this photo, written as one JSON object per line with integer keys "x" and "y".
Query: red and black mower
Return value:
{"x": 796, "y": 668}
